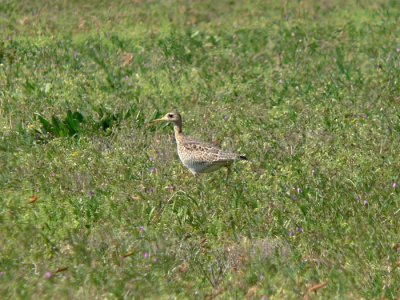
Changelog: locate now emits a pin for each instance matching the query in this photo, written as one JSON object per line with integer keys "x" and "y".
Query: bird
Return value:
{"x": 198, "y": 157}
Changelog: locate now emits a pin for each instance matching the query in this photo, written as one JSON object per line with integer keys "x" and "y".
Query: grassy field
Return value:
{"x": 94, "y": 201}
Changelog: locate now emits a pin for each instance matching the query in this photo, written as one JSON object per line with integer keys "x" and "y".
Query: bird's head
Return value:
{"x": 171, "y": 117}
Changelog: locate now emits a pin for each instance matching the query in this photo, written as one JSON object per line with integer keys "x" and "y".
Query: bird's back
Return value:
{"x": 202, "y": 157}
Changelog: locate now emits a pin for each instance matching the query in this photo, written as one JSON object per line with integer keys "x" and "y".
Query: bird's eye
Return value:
{"x": 170, "y": 116}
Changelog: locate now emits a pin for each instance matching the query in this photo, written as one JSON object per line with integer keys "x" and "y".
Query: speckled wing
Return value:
{"x": 208, "y": 152}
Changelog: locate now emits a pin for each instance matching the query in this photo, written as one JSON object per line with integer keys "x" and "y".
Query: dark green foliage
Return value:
{"x": 107, "y": 119}
{"x": 70, "y": 126}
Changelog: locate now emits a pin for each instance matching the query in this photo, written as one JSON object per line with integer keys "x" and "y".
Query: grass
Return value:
{"x": 308, "y": 90}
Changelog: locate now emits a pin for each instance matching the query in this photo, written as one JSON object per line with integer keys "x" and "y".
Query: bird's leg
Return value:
{"x": 200, "y": 185}
{"x": 228, "y": 171}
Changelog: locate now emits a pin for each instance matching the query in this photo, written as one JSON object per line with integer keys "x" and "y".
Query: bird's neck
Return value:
{"x": 178, "y": 132}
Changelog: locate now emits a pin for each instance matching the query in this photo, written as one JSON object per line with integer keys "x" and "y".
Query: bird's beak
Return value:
{"x": 159, "y": 120}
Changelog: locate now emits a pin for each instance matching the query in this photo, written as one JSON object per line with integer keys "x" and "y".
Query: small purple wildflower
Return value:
{"x": 37, "y": 136}
{"x": 141, "y": 229}
{"x": 149, "y": 190}
{"x": 261, "y": 277}
{"x": 146, "y": 255}
{"x": 280, "y": 81}
{"x": 294, "y": 197}
{"x": 76, "y": 54}
{"x": 398, "y": 50}
{"x": 127, "y": 80}
{"x": 2, "y": 274}
{"x": 394, "y": 185}
{"x": 298, "y": 190}
{"x": 313, "y": 172}
{"x": 53, "y": 174}
{"x": 152, "y": 170}
{"x": 48, "y": 275}
{"x": 226, "y": 118}
{"x": 366, "y": 203}
{"x": 358, "y": 198}
{"x": 299, "y": 229}
{"x": 90, "y": 194}
{"x": 291, "y": 233}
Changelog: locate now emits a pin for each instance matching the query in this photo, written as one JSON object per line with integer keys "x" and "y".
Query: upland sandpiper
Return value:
{"x": 197, "y": 156}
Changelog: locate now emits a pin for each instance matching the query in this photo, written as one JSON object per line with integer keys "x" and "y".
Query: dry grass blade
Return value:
{"x": 33, "y": 199}
{"x": 61, "y": 269}
{"x": 127, "y": 254}
{"x": 316, "y": 287}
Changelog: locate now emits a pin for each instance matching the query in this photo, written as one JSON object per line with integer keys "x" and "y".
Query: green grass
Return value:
{"x": 307, "y": 90}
